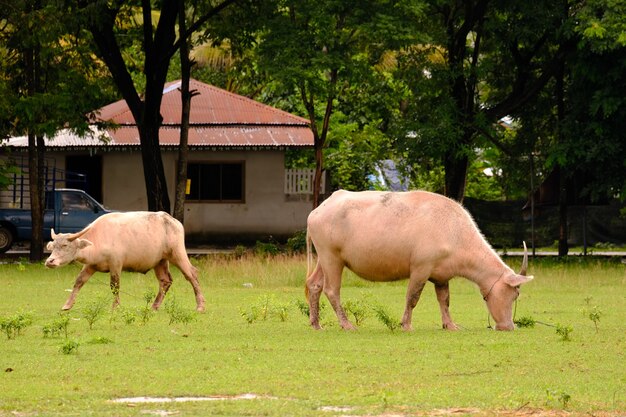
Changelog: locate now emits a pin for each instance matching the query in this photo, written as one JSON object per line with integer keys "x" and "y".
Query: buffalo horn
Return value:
{"x": 524, "y": 261}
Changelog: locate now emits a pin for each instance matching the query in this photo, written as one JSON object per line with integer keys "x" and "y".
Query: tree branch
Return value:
{"x": 522, "y": 92}
{"x": 198, "y": 23}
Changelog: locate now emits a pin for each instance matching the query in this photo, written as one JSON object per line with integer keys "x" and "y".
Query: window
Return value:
{"x": 216, "y": 182}
{"x": 74, "y": 201}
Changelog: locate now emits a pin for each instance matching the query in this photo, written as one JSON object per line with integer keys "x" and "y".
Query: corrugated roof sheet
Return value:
{"x": 210, "y": 106}
{"x": 218, "y": 119}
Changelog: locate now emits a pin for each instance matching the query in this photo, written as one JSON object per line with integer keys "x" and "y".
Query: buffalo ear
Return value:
{"x": 515, "y": 280}
{"x": 83, "y": 243}
{"x": 50, "y": 246}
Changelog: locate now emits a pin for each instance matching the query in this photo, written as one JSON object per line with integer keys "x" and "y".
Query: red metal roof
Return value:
{"x": 226, "y": 136}
{"x": 218, "y": 118}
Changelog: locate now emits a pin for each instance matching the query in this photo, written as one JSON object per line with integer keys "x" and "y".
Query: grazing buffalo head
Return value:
{"x": 503, "y": 293}
{"x": 64, "y": 248}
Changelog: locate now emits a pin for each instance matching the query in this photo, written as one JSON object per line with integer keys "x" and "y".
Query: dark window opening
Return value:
{"x": 216, "y": 182}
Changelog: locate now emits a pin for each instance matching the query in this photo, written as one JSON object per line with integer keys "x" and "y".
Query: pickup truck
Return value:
{"x": 67, "y": 211}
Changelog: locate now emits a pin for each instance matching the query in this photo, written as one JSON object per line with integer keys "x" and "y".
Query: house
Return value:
{"x": 238, "y": 186}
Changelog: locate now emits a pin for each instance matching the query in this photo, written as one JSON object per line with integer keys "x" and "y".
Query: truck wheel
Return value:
{"x": 6, "y": 239}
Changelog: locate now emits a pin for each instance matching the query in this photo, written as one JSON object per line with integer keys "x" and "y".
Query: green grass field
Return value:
{"x": 254, "y": 340}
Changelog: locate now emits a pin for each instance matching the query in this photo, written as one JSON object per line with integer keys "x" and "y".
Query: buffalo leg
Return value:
{"x": 443, "y": 296}
{"x": 162, "y": 272}
{"x": 115, "y": 287}
{"x": 313, "y": 290}
{"x": 413, "y": 293}
{"x": 81, "y": 279}
{"x": 332, "y": 289}
{"x": 191, "y": 275}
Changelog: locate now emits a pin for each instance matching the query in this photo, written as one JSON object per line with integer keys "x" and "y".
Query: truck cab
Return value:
{"x": 72, "y": 210}
{"x": 67, "y": 210}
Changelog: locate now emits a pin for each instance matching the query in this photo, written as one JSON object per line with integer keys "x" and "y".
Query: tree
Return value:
{"x": 317, "y": 48}
{"x": 48, "y": 86}
{"x": 109, "y": 24}
{"x": 484, "y": 60}
{"x": 186, "y": 96}
{"x": 596, "y": 101}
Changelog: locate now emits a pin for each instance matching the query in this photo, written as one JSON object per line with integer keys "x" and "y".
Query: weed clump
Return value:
{"x": 265, "y": 307}
{"x": 13, "y": 326}
{"x": 525, "y": 322}
{"x": 58, "y": 327}
{"x": 564, "y": 331}
{"x": 384, "y": 317}
{"x": 69, "y": 347}
{"x": 177, "y": 313}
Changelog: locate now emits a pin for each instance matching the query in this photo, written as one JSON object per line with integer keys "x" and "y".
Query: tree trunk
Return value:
{"x": 563, "y": 235}
{"x": 36, "y": 147}
{"x": 36, "y": 190}
{"x": 317, "y": 180}
{"x": 154, "y": 174}
{"x": 560, "y": 106}
{"x": 185, "y": 96}
{"x": 455, "y": 175}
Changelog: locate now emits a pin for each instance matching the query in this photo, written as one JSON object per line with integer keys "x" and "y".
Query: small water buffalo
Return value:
{"x": 385, "y": 236}
{"x": 132, "y": 241}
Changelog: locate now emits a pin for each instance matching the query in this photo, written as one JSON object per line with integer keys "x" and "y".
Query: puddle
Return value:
{"x": 154, "y": 400}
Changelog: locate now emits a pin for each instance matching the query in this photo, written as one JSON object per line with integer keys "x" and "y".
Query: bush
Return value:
{"x": 297, "y": 243}
{"x": 266, "y": 249}
{"x": 13, "y": 326}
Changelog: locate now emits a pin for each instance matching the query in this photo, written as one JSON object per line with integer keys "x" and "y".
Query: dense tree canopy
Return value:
{"x": 48, "y": 82}
{"x": 448, "y": 89}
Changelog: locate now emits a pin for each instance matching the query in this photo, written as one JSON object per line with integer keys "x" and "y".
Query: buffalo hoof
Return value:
{"x": 316, "y": 326}
{"x": 450, "y": 326}
{"x": 348, "y": 326}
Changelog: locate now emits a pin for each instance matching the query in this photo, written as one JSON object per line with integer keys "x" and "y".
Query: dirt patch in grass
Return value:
{"x": 154, "y": 400}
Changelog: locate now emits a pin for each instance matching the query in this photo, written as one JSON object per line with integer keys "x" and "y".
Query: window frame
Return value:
{"x": 241, "y": 163}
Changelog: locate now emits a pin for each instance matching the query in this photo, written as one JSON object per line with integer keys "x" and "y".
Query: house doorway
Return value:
{"x": 85, "y": 173}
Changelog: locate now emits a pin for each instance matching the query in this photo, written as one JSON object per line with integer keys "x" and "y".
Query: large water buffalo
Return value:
{"x": 133, "y": 241}
{"x": 385, "y": 236}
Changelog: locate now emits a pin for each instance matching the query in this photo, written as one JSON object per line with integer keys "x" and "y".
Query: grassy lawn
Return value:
{"x": 253, "y": 353}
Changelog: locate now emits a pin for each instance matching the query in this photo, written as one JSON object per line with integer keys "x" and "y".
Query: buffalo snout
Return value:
{"x": 51, "y": 262}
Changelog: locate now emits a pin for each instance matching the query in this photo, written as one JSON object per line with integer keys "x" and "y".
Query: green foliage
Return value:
{"x": 7, "y": 171}
{"x": 128, "y": 316}
{"x": 303, "y": 307}
{"x": 525, "y": 322}
{"x": 94, "y": 310}
{"x": 266, "y": 249}
{"x": 58, "y": 327}
{"x": 559, "y": 397}
{"x": 177, "y": 313}
{"x": 564, "y": 331}
{"x": 353, "y": 152}
{"x": 297, "y": 243}
{"x": 266, "y": 306}
{"x": 146, "y": 312}
{"x": 594, "y": 314}
{"x": 99, "y": 340}
{"x": 359, "y": 309}
{"x": 148, "y": 297}
{"x": 69, "y": 347}
{"x": 384, "y": 317}
{"x": 12, "y": 326}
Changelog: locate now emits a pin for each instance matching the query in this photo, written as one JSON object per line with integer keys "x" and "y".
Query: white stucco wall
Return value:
{"x": 266, "y": 210}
